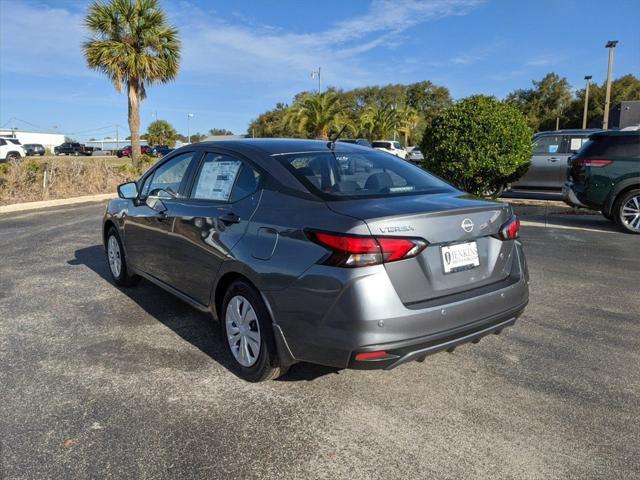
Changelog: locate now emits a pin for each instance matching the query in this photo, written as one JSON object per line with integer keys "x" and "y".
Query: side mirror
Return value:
{"x": 128, "y": 190}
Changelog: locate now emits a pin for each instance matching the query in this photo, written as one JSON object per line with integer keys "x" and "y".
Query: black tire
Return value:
{"x": 267, "y": 365}
{"x": 623, "y": 222}
{"x": 494, "y": 193}
{"x": 13, "y": 157}
{"x": 120, "y": 277}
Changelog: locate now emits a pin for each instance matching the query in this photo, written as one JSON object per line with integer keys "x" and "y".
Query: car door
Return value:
{"x": 148, "y": 222}
{"x": 543, "y": 171}
{"x": 211, "y": 221}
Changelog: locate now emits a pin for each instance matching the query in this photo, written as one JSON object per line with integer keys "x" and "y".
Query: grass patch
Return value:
{"x": 45, "y": 178}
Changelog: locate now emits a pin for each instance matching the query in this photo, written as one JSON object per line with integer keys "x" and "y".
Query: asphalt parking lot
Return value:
{"x": 97, "y": 382}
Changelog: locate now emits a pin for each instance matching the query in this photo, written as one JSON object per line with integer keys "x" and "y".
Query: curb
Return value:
{"x": 22, "y": 207}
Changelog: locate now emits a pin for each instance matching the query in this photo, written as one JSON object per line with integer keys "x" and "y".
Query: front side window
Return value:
{"x": 351, "y": 175}
{"x": 224, "y": 179}
{"x": 397, "y": 145}
{"x": 166, "y": 179}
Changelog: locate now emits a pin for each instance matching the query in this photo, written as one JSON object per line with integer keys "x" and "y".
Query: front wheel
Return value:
{"x": 627, "y": 211}
{"x": 248, "y": 333}
{"x": 13, "y": 157}
{"x": 117, "y": 261}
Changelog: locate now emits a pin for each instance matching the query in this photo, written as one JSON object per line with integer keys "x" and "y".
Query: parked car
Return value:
{"x": 162, "y": 150}
{"x": 549, "y": 162}
{"x": 73, "y": 148}
{"x": 605, "y": 176}
{"x": 300, "y": 261}
{"x": 358, "y": 141}
{"x": 33, "y": 149}
{"x": 11, "y": 149}
{"x": 414, "y": 155}
{"x": 390, "y": 146}
{"x": 126, "y": 151}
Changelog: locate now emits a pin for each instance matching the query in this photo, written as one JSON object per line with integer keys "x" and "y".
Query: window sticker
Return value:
{"x": 216, "y": 179}
{"x": 576, "y": 143}
{"x": 553, "y": 148}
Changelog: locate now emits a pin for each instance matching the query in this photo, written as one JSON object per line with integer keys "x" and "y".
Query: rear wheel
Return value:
{"x": 117, "y": 261}
{"x": 627, "y": 211}
{"x": 13, "y": 157}
{"x": 248, "y": 333}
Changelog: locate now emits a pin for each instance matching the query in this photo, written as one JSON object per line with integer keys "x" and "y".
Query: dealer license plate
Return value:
{"x": 461, "y": 256}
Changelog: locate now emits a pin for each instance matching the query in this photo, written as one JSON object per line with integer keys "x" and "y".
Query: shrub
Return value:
{"x": 479, "y": 144}
{"x": 4, "y": 168}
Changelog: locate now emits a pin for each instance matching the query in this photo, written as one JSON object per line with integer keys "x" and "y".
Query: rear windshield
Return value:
{"x": 381, "y": 145}
{"x": 611, "y": 146}
{"x": 349, "y": 175}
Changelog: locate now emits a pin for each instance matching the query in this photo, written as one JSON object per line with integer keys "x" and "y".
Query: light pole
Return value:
{"x": 611, "y": 44}
{"x": 189, "y": 116}
{"x": 314, "y": 74}
{"x": 586, "y": 101}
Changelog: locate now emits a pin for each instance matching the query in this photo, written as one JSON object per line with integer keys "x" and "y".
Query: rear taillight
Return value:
{"x": 592, "y": 162}
{"x": 360, "y": 251}
{"x": 511, "y": 229}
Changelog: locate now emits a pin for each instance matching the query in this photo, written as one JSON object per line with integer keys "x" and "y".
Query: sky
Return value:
{"x": 239, "y": 58}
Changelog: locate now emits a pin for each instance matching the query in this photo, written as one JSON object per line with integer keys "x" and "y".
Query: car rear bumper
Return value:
{"x": 329, "y": 320}
{"x": 569, "y": 196}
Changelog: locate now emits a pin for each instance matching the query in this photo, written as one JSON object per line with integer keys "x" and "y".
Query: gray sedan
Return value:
{"x": 301, "y": 259}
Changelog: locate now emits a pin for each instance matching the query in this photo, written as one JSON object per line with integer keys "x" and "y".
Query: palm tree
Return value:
{"x": 316, "y": 114}
{"x": 409, "y": 119}
{"x": 133, "y": 45}
{"x": 379, "y": 121}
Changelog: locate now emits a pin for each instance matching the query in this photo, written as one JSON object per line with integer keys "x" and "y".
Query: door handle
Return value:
{"x": 553, "y": 159}
{"x": 229, "y": 218}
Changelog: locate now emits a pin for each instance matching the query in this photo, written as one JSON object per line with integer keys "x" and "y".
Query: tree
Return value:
{"x": 409, "y": 120}
{"x": 315, "y": 114}
{"x": 544, "y": 103}
{"x": 626, "y": 87}
{"x": 220, "y": 131}
{"x": 135, "y": 47}
{"x": 379, "y": 121}
{"x": 272, "y": 124}
{"x": 161, "y": 132}
{"x": 479, "y": 144}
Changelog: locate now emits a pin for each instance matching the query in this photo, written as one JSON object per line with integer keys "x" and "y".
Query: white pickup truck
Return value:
{"x": 10, "y": 149}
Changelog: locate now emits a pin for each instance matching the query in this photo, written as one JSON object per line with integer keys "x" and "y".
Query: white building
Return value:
{"x": 110, "y": 143}
{"x": 47, "y": 140}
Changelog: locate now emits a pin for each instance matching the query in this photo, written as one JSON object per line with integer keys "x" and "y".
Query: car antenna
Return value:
{"x": 332, "y": 143}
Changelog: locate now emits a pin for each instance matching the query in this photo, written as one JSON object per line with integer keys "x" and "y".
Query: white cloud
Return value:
{"x": 217, "y": 47}
{"x": 40, "y": 40}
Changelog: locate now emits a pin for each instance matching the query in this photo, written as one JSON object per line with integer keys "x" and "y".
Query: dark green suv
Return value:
{"x": 605, "y": 175}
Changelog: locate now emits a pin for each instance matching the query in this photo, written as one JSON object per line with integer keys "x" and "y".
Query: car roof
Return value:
{"x": 279, "y": 146}
{"x": 616, "y": 133}
{"x": 586, "y": 131}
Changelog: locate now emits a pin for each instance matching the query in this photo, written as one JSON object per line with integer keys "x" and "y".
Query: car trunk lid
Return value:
{"x": 455, "y": 225}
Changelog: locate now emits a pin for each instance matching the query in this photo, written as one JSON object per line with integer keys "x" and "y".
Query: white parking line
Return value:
{"x": 563, "y": 227}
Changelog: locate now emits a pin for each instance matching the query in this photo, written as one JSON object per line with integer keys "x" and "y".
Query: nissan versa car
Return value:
{"x": 303, "y": 260}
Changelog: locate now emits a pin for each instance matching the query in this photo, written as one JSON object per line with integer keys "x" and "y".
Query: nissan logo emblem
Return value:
{"x": 467, "y": 225}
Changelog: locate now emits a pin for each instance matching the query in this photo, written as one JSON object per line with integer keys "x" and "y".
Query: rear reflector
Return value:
{"x": 371, "y": 355}
{"x": 591, "y": 162}
{"x": 360, "y": 251}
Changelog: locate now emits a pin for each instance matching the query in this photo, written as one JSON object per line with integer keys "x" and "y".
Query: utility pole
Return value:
{"x": 189, "y": 115}
{"x": 314, "y": 74}
{"x": 557, "y": 123}
{"x": 586, "y": 101}
{"x": 117, "y": 138}
{"x": 611, "y": 44}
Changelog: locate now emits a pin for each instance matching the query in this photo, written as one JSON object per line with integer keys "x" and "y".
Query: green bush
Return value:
{"x": 479, "y": 144}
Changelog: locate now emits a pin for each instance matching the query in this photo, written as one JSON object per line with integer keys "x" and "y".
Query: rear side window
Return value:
{"x": 612, "y": 146}
{"x": 575, "y": 143}
{"x": 224, "y": 179}
{"x": 381, "y": 145}
{"x": 549, "y": 144}
{"x": 351, "y": 175}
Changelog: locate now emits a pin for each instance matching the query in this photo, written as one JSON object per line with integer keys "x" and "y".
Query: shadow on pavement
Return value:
{"x": 191, "y": 325}
{"x": 575, "y": 221}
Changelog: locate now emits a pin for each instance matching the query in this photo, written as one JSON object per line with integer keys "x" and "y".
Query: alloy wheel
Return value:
{"x": 630, "y": 213}
{"x": 113, "y": 253}
{"x": 243, "y": 331}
